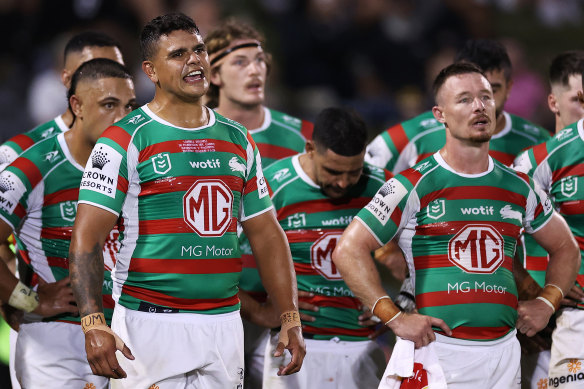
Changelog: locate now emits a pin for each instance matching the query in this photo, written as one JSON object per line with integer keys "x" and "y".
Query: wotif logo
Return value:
{"x": 321, "y": 256}
{"x": 207, "y": 207}
{"x": 208, "y": 164}
{"x": 477, "y": 248}
{"x": 478, "y": 210}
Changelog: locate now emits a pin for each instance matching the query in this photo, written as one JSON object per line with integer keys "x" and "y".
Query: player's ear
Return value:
{"x": 66, "y": 78}
{"x": 76, "y": 106}
{"x": 148, "y": 68}
{"x": 215, "y": 76}
{"x": 310, "y": 146}
{"x": 553, "y": 104}
{"x": 438, "y": 113}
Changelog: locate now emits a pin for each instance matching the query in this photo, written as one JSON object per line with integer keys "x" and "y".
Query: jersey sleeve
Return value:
{"x": 379, "y": 152}
{"x": 539, "y": 208}
{"x": 105, "y": 179}
{"x": 17, "y": 181}
{"x": 256, "y": 194}
{"x": 386, "y": 213}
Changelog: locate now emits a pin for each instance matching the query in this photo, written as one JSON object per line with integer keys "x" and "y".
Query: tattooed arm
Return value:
{"x": 92, "y": 226}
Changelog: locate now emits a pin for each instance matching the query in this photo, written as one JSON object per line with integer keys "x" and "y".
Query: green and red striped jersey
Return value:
{"x": 405, "y": 144}
{"x": 180, "y": 193}
{"x": 313, "y": 224}
{"x": 458, "y": 233}
{"x": 557, "y": 166}
{"x": 14, "y": 146}
{"x": 38, "y": 199}
{"x": 280, "y": 136}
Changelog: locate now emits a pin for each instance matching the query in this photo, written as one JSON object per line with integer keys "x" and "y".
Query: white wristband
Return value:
{"x": 393, "y": 318}
{"x": 376, "y": 301}
{"x": 557, "y": 287}
{"x": 548, "y": 302}
{"x": 24, "y": 298}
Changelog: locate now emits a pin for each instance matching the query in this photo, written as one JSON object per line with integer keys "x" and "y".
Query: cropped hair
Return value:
{"x": 564, "y": 65}
{"x": 164, "y": 25}
{"x": 488, "y": 54}
{"x": 455, "y": 69}
{"x": 89, "y": 39}
{"x": 341, "y": 130}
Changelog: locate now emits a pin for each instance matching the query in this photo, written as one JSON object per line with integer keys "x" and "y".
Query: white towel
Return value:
{"x": 401, "y": 367}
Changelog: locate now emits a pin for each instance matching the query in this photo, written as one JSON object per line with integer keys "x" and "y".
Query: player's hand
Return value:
{"x": 12, "y": 316}
{"x": 267, "y": 315}
{"x": 55, "y": 298}
{"x": 417, "y": 328}
{"x": 305, "y": 305}
{"x": 575, "y": 295}
{"x": 532, "y": 316}
{"x": 368, "y": 319}
{"x": 296, "y": 347}
{"x": 101, "y": 353}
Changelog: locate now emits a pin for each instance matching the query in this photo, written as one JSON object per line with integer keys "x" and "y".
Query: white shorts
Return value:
{"x": 534, "y": 369}
{"x": 255, "y": 339}
{"x": 13, "y": 380}
{"x": 180, "y": 350}
{"x": 480, "y": 365}
{"x": 329, "y": 364}
{"x": 567, "y": 354}
{"x": 52, "y": 355}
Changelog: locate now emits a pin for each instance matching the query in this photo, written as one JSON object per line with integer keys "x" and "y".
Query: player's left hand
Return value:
{"x": 296, "y": 347}
{"x": 532, "y": 316}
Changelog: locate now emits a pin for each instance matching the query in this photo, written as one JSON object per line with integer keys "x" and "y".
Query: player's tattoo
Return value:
{"x": 87, "y": 280}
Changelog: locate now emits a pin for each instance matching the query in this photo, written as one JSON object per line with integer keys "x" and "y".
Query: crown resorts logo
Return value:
{"x": 99, "y": 159}
{"x": 6, "y": 184}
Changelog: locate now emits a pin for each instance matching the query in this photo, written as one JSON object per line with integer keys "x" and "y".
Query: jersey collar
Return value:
{"x": 446, "y": 166}
{"x": 301, "y": 173}
{"x": 505, "y": 129}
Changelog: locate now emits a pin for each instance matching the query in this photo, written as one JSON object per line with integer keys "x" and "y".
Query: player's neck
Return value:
{"x": 79, "y": 147}
{"x": 306, "y": 165}
{"x": 67, "y": 118}
{"x": 181, "y": 113}
{"x": 559, "y": 125}
{"x": 464, "y": 158}
{"x": 501, "y": 122}
{"x": 251, "y": 117}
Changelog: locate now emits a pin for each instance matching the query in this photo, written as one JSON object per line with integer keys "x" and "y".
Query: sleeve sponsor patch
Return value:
{"x": 545, "y": 200}
{"x": 261, "y": 181}
{"x": 11, "y": 191}
{"x": 386, "y": 200}
{"x": 101, "y": 171}
{"x": 522, "y": 163}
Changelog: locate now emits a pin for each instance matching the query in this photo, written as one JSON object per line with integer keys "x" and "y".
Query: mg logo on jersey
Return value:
{"x": 161, "y": 163}
{"x": 569, "y": 186}
{"x": 477, "y": 248}
{"x": 321, "y": 256}
{"x": 436, "y": 208}
{"x": 207, "y": 207}
{"x": 69, "y": 210}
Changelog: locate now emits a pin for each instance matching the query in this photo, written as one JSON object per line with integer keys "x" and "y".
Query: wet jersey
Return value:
{"x": 180, "y": 193}
{"x": 313, "y": 224}
{"x": 279, "y": 136}
{"x": 38, "y": 200}
{"x": 459, "y": 239}
{"x": 558, "y": 167}
{"x": 405, "y": 144}
{"x": 12, "y": 148}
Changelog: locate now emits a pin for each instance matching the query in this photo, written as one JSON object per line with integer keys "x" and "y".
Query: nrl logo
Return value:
{"x": 569, "y": 186}
{"x": 47, "y": 132}
{"x": 436, "y": 209}
{"x": 135, "y": 119}
{"x": 161, "y": 163}
{"x": 69, "y": 210}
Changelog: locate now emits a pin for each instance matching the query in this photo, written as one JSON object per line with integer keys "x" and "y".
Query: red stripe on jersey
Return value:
{"x": 248, "y": 261}
{"x": 486, "y": 333}
{"x": 20, "y": 211}
{"x": 570, "y": 170}
{"x": 185, "y": 266}
{"x": 441, "y": 260}
{"x": 398, "y": 137}
{"x": 275, "y": 152}
{"x": 475, "y": 193}
{"x": 304, "y": 269}
{"x": 190, "y": 145}
{"x": 451, "y": 228}
{"x": 306, "y": 129}
{"x": 22, "y": 254}
{"x": 32, "y": 172}
{"x": 184, "y": 183}
{"x": 173, "y": 226}
{"x": 539, "y": 153}
{"x": 388, "y": 175}
{"x": 580, "y": 279}
{"x": 575, "y": 207}
{"x": 363, "y": 332}
{"x": 423, "y": 156}
{"x": 61, "y": 196}
{"x": 523, "y": 176}
{"x": 58, "y": 262}
{"x": 57, "y": 232}
{"x": 23, "y": 141}
{"x": 322, "y": 205}
{"x": 505, "y": 158}
{"x": 412, "y": 175}
{"x": 122, "y": 184}
{"x": 334, "y": 302}
{"x": 396, "y": 216}
{"x": 250, "y": 185}
{"x": 118, "y": 135}
{"x": 538, "y": 210}
{"x": 473, "y": 296}
{"x": 108, "y": 301}
{"x": 536, "y": 263}
{"x": 161, "y": 299}
{"x": 303, "y": 236}
{"x": 251, "y": 141}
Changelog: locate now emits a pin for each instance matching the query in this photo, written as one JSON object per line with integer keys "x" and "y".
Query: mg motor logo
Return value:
{"x": 477, "y": 248}
{"x": 321, "y": 254}
{"x": 207, "y": 207}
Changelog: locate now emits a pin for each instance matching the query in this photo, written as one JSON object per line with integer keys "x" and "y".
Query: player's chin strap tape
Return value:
{"x": 23, "y": 298}
{"x": 96, "y": 321}
{"x": 288, "y": 320}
